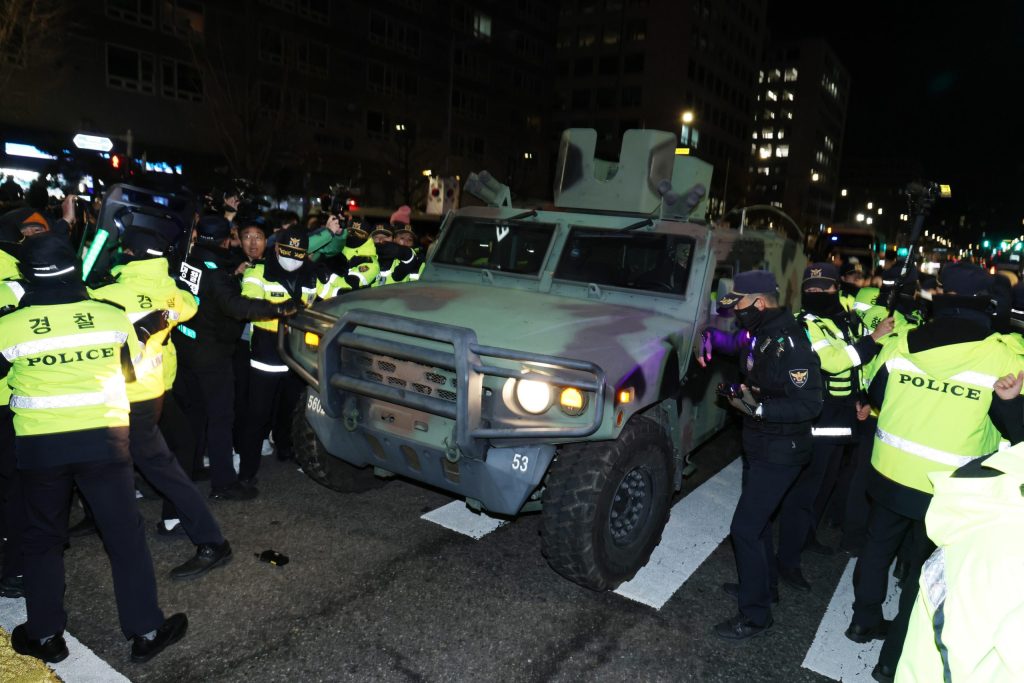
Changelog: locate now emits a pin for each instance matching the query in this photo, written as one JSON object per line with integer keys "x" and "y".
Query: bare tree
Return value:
{"x": 249, "y": 109}
{"x": 21, "y": 22}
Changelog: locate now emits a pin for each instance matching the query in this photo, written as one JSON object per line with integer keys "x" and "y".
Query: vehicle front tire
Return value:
{"x": 605, "y": 505}
{"x": 321, "y": 466}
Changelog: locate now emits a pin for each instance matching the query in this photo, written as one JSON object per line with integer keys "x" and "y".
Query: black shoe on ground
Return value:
{"x": 86, "y": 527}
{"x": 170, "y": 527}
{"x": 171, "y": 631}
{"x": 235, "y": 492}
{"x": 207, "y": 557}
{"x": 865, "y": 634}
{"x": 815, "y": 546}
{"x": 248, "y": 483}
{"x": 794, "y": 578}
{"x": 741, "y": 628}
{"x": 12, "y": 587}
{"x": 883, "y": 673}
{"x": 54, "y": 650}
{"x": 733, "y": 590}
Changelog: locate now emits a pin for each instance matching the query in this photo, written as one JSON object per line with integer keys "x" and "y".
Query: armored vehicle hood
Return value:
{"x": 620, "y": 339}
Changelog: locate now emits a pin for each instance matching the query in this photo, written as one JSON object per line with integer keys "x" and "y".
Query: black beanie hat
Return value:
{"x": 144, "y": 243}
{"x": 48, "y": 258}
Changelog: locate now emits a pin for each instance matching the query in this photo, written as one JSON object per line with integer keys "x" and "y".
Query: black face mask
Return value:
{"x": 822, "y": 304}
{"x": 750, "y": 317}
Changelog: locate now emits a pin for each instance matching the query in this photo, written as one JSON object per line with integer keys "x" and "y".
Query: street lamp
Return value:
{"x": 688, "y": 135}
{"x": 860, "y": 218}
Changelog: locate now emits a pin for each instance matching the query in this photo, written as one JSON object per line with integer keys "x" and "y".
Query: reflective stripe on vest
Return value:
{"x": 922, "y": 451}
{"x": 67, "y": 342}
{"x": 266, "y": 367}
{"x": 979, "y": 379}
{"x": 64, "y": 401}
{"x": 831, "y": 431}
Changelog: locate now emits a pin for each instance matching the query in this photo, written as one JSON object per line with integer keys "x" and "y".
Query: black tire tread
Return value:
{"x": 567, "y": 522}
{"x": 324, "y": 468}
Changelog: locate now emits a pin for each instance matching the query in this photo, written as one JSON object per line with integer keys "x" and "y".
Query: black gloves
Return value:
{"x": 150, "y": 324}
{"x": 287, "y": 309}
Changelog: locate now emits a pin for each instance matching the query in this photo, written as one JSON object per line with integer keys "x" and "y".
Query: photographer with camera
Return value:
{"x": 779, "y": 400}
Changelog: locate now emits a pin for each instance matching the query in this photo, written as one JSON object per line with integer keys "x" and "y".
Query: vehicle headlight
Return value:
{"x": 572, "y": 401}
{"x": 534, "y": 397}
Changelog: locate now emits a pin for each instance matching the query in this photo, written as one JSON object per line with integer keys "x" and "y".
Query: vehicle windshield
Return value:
{"x": 510, "y": 247}
{"x": 652, "y": 262}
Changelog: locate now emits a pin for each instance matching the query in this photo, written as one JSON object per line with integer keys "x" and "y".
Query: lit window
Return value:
{"x": 776, "y": 75}
{"x": 787, "y": 115}
{"x": 790, "y": 75}
{"x": 760, "y": 77}
{"x": 754, "y": 135}
{"x": 843, "y": 192}
{"x": 782, "y": 133}
{"x": 765, "y": 152}
{"x": 777, "y": 205}
{"x": 782, "y": 151}
{"x": 767, "y": 133}
{"x": 772, "y": 96}
{"x": 763, "y": 170}
{"x": 788, "y": 96}
{"x": 482, "y": 26}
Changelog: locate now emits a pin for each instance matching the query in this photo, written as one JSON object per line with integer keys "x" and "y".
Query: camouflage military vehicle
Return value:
{"x": 543, "y": 360}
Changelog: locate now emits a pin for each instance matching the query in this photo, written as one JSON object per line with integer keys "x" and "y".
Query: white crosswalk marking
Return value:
{"x": 82, "y": 664}
{"x": 698, "y": 523}
{"x": 457, "y": 517}
{"x": 832, "y": 654}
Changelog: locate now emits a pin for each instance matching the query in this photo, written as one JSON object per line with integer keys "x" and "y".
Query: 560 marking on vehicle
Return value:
{"x": 313, "y": 403}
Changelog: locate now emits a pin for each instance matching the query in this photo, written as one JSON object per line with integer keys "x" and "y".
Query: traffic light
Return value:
{"x": 986, "y": 244}
{"x": 115, "y": 161}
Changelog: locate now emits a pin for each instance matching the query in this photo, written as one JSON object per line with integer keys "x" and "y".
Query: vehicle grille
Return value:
{"x": 381, "y": 369}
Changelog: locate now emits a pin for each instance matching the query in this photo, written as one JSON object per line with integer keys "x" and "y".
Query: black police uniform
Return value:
{"x": 785, "y": 374}
{"x": 205, "y": 384}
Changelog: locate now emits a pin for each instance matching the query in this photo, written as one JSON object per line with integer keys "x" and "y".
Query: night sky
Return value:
{"x": 934, "y": 81}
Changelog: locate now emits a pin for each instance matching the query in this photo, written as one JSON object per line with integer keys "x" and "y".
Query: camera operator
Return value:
{"x": 779, "y": 401}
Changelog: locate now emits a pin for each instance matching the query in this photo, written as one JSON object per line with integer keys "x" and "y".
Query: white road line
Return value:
{"x": 697, "y": 525}
{"x": 82, "y": 664}
{"x": 457, "y": 517}
{"x": 832, "y": 654}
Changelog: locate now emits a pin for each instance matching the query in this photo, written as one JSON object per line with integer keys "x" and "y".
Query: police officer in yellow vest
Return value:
{"x": 154, "y": 304}
{"x": 285, "y": 276}
{"x": 399, "y": 259}
{"x": 968, "y": 622}
{"x": 359, "y": 264}
{"x": 68, "y": 359}
{"x": 12, "y": 512}
{"x": 933, "y": 388}
{"x": 841, "y": 354}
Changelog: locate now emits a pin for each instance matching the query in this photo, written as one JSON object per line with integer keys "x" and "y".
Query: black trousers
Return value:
{"x": 177, "y": 432}
{"x": 161, "y": 469}
{"x": 206, "y": 394}
{"x": 271, "y": 404}
{"x": 12, "y": 507}
{"x": 109, "y": 487}
{"x": 765, "y": 483}
{"x": 798, "y": 518}
{"x": 886, "y": 531}
{"x": 858, "y": 504}
{"x": 240, "y": 365}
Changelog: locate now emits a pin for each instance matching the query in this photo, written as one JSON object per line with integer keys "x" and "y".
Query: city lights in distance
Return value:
{"x": 843, "y": 193}
{"x": 860, "y": 218}
{"x": 20, "y": 149}
{"x": 687, "y": 117}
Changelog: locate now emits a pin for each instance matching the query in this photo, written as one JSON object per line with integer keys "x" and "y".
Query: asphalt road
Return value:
{"x": 374, "y": 592}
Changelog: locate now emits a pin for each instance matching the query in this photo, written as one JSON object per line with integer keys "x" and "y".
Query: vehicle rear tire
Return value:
{"x": 321, "y": 466}
{"x": 606, "y": 504}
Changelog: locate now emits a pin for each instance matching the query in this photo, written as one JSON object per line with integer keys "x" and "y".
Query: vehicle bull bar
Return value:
{"x": 465, "y": 362}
